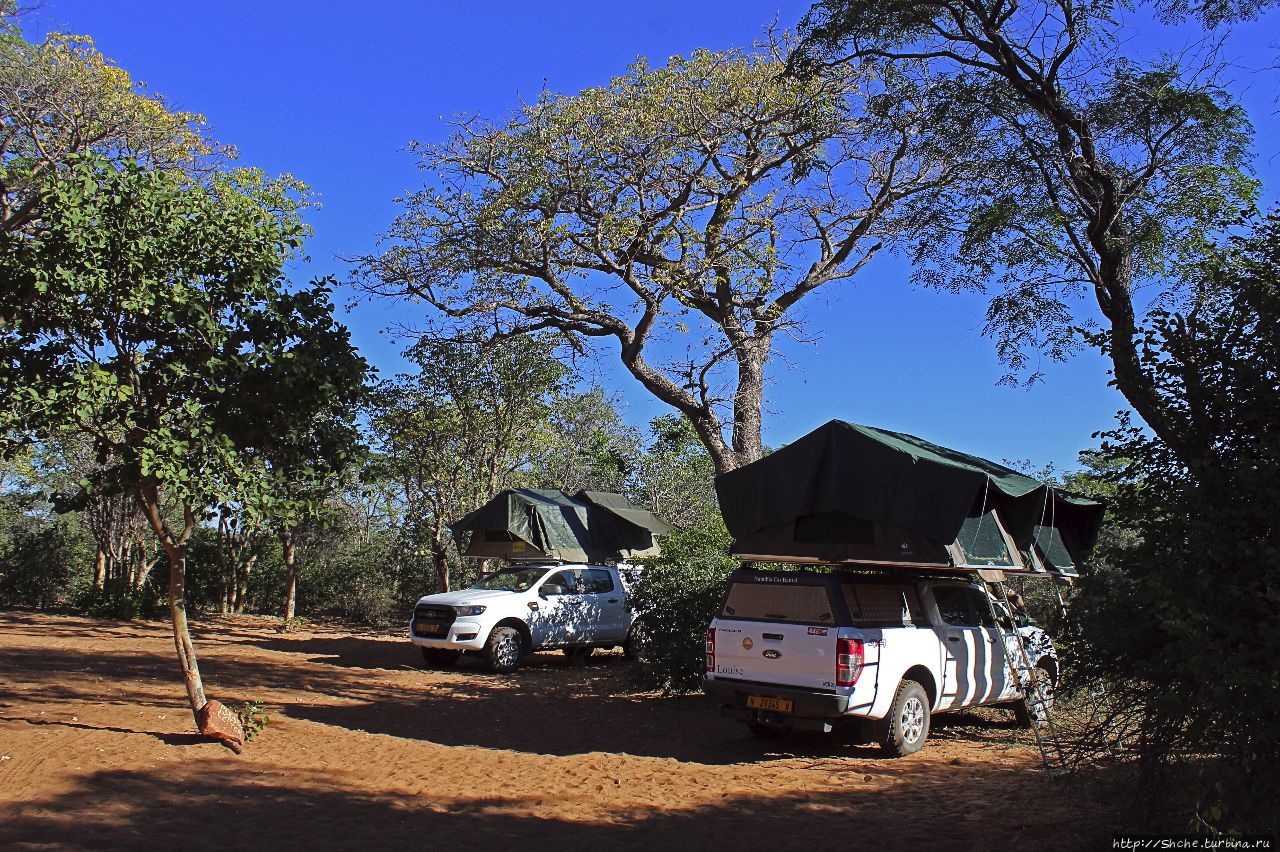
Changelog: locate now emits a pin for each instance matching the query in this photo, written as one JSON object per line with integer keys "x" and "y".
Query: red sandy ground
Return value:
{"x": 367, "y": 750}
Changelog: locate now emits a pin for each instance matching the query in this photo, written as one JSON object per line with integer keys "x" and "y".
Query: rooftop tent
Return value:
{"x": 846, "y": 493}
{"x": 590, "y": 526}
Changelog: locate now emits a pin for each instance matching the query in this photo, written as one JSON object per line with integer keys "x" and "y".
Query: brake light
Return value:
{"x": 711, "y": 649}
{"x": 848, "y": 661}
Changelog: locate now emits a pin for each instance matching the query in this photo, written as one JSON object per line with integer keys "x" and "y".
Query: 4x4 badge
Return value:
{"x": 771, "y": 654}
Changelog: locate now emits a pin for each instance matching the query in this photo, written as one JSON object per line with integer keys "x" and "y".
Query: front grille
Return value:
{"x": 428, "y": 612}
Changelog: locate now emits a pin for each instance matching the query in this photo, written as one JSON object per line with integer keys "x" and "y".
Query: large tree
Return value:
{"x": 163, "y": 331}
{"x": 61, "y": 97}
{"x": 681, "y": 212}
{"x": 1096, "y": 175}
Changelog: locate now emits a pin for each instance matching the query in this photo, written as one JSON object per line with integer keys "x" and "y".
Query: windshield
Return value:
{"x": 511, "y": 579}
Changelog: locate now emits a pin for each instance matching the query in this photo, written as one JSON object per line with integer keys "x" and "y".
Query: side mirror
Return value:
{"x": 549, "y": 589}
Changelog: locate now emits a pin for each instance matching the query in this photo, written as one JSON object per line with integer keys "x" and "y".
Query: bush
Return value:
{"x": 1185, "y": 626}
{"x": 675, "y": 599}
{"x": 41, "y": 560}
{"x": 119, "y": 602}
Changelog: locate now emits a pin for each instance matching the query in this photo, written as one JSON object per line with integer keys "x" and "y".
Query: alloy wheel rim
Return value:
{"x": 912, "y": 720}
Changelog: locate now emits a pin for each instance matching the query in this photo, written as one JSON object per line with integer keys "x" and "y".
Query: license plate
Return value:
{"x": 429, "y": 629}
{"x": 764, "y": 702}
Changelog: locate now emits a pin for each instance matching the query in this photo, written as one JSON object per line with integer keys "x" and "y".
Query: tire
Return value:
{"x": 1021, "y": 711}
{"x": 906, "y": 727}
{"x": 440, "y": 658}
{"x": 768, "y": 732}
{"x": 503, "y": 650}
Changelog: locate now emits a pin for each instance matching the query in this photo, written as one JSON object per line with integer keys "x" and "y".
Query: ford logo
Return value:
{"x": 772, "y": 654}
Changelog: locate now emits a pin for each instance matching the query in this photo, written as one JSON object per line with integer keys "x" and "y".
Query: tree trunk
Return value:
{"x": 291, "y": 576}
{"x": 176, "y": 550}
{"x": 441, "y": 559}
{"x": 100, "y": 571}
{"x": 242, "y": 585}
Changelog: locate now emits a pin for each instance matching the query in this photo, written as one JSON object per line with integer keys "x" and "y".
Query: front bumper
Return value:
{"x": 817, "y": 711}
{"x": 461, "y": 636}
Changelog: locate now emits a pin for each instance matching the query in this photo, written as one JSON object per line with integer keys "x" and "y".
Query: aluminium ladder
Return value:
{"x": 1034, "y": 695}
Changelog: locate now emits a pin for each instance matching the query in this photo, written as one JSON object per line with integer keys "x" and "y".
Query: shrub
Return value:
{"x": 675, "y": 599}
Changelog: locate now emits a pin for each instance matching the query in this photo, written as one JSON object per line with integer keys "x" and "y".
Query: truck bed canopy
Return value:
{"x": 529, "y": 523}
{"x": 846, "y": 493}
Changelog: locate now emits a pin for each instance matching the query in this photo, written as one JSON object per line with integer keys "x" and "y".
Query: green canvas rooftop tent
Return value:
{"x": 850, "y": 494}
{"x": 538, "y": 524}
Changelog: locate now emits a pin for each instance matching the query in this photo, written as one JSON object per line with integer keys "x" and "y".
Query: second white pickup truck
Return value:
{"x": 879, "y": 652}
{"x": 527, "y": 607}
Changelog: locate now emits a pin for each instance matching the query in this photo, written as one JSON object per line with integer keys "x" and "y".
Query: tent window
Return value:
{"x": 982, "y": 541}
{"x": 1052, "y": 548}
{"x": 802, "y": 604}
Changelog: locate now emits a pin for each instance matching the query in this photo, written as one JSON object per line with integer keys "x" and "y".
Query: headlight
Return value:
{"x": 469, "y": 610}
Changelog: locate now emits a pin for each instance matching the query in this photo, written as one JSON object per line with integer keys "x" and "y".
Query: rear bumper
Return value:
{"x": 810, "y": 710}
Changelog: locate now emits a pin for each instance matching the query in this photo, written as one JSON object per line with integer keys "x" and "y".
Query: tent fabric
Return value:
{"x": 899, "y": 481}
{"x": 529, "y": 523}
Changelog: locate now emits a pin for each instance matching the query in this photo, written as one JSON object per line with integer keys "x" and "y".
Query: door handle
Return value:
{"x": 953, "y": 638}
{"x": 613, "y": 600}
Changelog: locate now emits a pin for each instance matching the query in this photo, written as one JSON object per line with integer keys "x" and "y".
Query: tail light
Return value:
{"x": 848, "y": 660}
{"x": 711, "y": 649}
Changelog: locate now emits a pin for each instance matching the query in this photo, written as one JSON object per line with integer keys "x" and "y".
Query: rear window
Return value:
{"x": 882, "y": 605}
{"x": 802, "y": 604}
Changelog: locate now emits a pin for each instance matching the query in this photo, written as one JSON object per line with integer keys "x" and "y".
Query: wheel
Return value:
{"x": 441, "y": 658}
{"x": 503, "y": 650}
{"x": 907, "y": 725}
{"x": 633, "y": 647}
{"x": 1044, "y": 674}
{"x": 578, "y": 654}
{"x": 768, "y": 732}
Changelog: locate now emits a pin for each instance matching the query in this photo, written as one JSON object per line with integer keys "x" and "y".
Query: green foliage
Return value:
{"x": 253, "y": 718}
{"x": 43, "y": 558}
{"x": 676, "y": 477}
{"x": 62, "y": 97}
{"x": 1186, "y": 622}
{"x": 150, "y": 316}
{"x": 675, "y": 599}
{"x": 1092, "y": 170}
{"x": 119, "y": 602}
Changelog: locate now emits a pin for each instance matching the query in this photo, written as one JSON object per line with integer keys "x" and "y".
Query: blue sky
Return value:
{"x": 333, "y": 92}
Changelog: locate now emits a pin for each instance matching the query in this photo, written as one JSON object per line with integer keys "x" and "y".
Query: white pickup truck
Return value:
{"x": 879, "y": 652}
{"x": 524, "y": 608}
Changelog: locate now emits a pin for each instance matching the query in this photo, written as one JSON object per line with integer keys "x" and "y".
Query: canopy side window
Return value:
{"x": 953, "y": 606}
{"x": 882, "y": 605}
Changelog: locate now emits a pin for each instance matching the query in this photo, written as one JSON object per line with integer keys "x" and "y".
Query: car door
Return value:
{"x": 996, "y": 674}
{"x": 553, "y": 623}
{"x": 965, "y": 648}
{"x": 606, "y": 603}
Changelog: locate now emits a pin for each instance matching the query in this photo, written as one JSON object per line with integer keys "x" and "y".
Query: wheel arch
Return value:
{"x": 921, "y": 675}
{"x": 520, "y": 627}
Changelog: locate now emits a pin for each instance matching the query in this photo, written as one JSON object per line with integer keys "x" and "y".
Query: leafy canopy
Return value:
{"x": 62, "y": 97}
{"x": 150, "y": 314}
